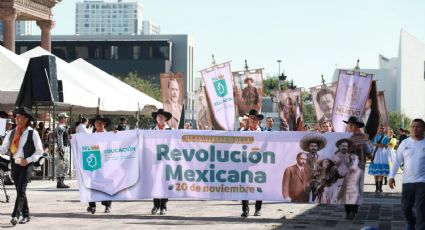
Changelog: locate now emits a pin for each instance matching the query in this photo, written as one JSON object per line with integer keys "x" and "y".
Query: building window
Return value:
{"x": 136, "y": 52}
{"x": 114, "y": 52}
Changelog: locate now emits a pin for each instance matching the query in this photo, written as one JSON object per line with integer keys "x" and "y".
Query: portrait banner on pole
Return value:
{"x": 351, "y": 95}
{"x": 290, "y": 110}
{"x": 172, "y": 93}
{"x": 323, "y": 99}
{"x": 218, "y": 165}
{"x": 248, "y": 87}
{"x": 219, "y": 87}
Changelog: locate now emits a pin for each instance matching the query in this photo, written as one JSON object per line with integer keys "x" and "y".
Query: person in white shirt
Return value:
{"x": 82, "y": 127}
{"x": 411, "y": 153}
{"x": 25, "y": 147}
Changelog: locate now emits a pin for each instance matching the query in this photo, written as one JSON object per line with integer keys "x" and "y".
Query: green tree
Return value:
{"x": 398, "y": 120}
{"x": 135, "y": 80}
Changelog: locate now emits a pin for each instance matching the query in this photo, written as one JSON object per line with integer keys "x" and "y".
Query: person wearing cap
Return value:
{"x": 122, "y": 126}
{"x": 161, "y": 117}
{"x": 25, "y": 147}
{"x": 254, "y": 119}
{"x": 312, "y": 143}
{"x": 100, "y": 123}
{"x": 362, "y": 147}
{"x": 243, "y": 123}
{"x": 62, "y": 158}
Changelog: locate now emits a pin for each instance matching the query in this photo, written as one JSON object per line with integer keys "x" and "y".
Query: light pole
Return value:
{"x": 279, "y": 61}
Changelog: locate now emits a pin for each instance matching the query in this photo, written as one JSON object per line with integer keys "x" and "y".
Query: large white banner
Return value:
{"x": 351, "y": 95}
{"x": 220, "y": 165}
{"x": 218, "y": 82}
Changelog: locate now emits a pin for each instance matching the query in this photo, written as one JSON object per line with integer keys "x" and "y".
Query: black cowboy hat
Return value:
{"x": 24, "y": 111}
{"x": 101, "y": 118}
{"x": 349, "y": 141}
{"x": 255, "y": 113}
{"x": 355, "y": 120}
{"x": 163, "y": 112}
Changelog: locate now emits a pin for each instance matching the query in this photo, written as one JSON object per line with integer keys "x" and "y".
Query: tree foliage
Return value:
{"x": 398, "y": 120}
{"x": 135, "y": 80}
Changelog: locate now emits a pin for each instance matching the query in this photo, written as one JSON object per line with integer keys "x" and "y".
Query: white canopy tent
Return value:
{"x": 12, "y": 71}
{"x": 128, "y": 91}
{"x": 90, "y": 92}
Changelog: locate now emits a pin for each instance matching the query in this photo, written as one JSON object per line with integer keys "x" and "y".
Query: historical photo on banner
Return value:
{"x": 203, "y": 116}
{"x": 383, "y": 112}
{"x": 248, "y": 90}
{"x": 323, "y": 100}
{"x": 350, "y": 98}
{"x": 172, "y": 93}
{"x": 290, "y": 110}
{"x": 294, "y": 167}
{"x": 219, "y": 88}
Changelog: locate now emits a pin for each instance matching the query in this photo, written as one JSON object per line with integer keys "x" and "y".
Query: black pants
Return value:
{"x": 104, "y": 203}
{"x": 160, "y": 203}
{"x": 245, "y": 207}
{"x": 351, "y": 208}
{"x": 21, "y": 176}
{"x": 413, "y": 198}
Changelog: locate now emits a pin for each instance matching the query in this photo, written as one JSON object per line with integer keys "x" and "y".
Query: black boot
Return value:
{"x": 60, "y": 183}
{"x": 66, "y": 186}
{"x": 385, "y": 181}
{"x": 376, "y": 187}
{"x": 380, "y": 187}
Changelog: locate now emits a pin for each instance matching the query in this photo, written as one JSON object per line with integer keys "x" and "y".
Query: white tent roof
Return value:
{"x": 12, "y": 71}
{"x": 129, "y": 92}
{"x": 87, "y": 90}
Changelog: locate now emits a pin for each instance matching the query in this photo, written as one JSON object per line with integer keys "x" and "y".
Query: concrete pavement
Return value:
{"x": 52, "y": 209}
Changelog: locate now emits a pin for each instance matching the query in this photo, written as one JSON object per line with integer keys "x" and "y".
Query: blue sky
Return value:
{"x": 311, "y": 37}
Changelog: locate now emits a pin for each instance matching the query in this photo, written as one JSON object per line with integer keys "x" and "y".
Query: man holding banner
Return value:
{"x": 161, "y": 117}
{"x": 254, "y": 119}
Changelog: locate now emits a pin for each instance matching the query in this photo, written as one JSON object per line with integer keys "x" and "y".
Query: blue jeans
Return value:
{"x": 413, "y": 197}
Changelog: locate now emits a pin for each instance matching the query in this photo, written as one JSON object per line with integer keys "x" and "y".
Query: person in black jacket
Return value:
{"x": 24, "y": 146}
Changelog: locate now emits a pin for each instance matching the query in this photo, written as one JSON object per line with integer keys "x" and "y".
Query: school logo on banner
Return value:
{"x": 220, "y": 86}
{"x": 91, "y": 158}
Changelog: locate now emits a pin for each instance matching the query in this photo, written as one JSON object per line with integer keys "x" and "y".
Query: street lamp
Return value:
{"x": 279, "y": 61}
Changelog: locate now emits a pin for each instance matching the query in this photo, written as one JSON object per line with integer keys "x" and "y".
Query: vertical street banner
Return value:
{"x": 323, "y": 100}
{"x": 172, "y": 93}
{"x": 290, "y": 110}
{"x": 293, "y": 167}
{"x": 384, "y": 121}
{"x": 351, "y": 95}
{"x": 203, "y": 115}
{"x": 219, "y": 88}
{"x": 248, "y": 87}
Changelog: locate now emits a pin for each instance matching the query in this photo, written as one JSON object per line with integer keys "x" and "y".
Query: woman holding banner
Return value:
{"x": 100, "y": 123}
